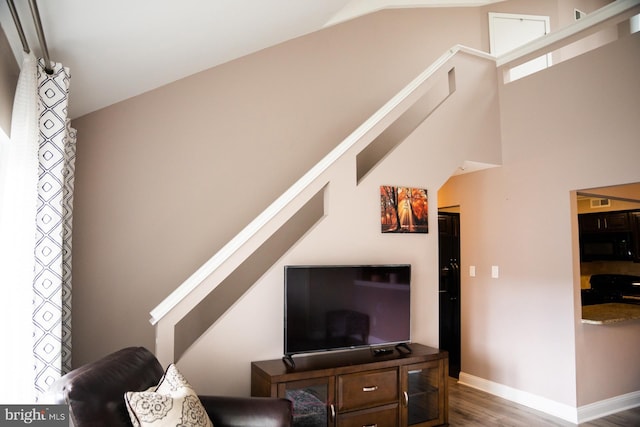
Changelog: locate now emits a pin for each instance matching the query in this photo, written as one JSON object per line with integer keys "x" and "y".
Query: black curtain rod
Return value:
{"x": 38, "y": 24}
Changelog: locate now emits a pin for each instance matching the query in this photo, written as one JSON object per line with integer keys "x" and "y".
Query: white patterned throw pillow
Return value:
{"x": 172, "y": 403}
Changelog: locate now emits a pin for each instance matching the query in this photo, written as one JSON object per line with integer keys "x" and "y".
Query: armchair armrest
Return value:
{"x": 248, "y": 411}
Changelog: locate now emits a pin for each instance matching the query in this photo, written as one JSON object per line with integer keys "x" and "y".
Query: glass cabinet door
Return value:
{"x": 423, "y": 394}
{"x": 313, "y": 401}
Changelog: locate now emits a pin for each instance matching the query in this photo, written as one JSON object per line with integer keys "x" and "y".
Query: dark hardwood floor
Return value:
{"x": 471, "y": 407}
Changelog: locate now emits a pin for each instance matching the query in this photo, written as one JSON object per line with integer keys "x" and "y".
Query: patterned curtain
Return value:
{"x": 52, "y": 281}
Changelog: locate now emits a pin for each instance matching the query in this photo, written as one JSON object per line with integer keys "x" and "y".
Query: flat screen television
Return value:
{"x": 346, "y": 306}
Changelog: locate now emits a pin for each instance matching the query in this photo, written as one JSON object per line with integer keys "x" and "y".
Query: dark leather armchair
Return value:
{"x": 95, "y": 394}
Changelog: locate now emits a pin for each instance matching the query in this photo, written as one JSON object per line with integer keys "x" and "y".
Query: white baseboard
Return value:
{"x": 610, "y": 406}
{"x": 568, "y": 413}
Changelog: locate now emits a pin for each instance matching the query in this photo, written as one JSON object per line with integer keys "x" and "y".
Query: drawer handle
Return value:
{"x": 370, "y": 425}
{"x": 370, "y": 388}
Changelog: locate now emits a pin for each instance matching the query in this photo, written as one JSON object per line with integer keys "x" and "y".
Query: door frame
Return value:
{"x": 529, "y": 67}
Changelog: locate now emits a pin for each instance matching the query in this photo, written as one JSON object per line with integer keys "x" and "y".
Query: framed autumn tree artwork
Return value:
{"x": 403, "y": 210}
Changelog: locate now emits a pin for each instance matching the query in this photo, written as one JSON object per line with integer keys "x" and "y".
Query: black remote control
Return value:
{"x": 382, "y": 351}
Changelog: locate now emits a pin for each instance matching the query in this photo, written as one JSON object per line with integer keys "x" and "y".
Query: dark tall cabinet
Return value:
{"x": 449, "y": 288}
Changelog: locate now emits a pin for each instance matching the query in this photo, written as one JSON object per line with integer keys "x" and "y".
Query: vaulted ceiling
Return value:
{"x": 117, "y": 49}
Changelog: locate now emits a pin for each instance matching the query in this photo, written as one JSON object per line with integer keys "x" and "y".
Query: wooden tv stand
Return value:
{"x": 359, "y": 388}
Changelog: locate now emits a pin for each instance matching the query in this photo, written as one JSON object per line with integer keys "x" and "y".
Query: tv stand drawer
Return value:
{"x": 387, "y": 416}
{"x": 367, "y": 389}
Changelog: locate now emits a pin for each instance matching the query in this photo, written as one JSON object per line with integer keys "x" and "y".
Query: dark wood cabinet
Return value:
{"x": 449, "y": 288}
{"x": 358, "y": 388}
{"x": 604, "y": 222}
{"x": 610, "y": 236}
{"x": 635, "y": 227}
{"x": 449, "y": 224}
{"x": 311, "y": 398}
{"x": 423, "y": 403}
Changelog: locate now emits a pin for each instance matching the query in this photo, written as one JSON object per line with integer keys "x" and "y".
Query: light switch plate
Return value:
{"x": 472, "y": 271}
{"x": 495, "y": 271}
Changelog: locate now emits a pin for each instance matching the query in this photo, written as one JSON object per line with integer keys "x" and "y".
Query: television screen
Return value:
{"x": 340, "y": 307}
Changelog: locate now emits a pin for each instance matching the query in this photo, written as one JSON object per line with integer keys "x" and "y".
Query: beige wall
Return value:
{"x": 350, "y": 233}
{"x": 520, "y": 330}
{"x": 163, "y": 180}
{"x": 166, "y": 178}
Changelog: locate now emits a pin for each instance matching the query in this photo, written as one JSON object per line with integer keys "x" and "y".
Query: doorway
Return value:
{"x": 449, "y": 287}
{"x": 510, "y": 31}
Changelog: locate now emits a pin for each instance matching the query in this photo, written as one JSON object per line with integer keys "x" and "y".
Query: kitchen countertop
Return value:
{"x": 603, "y": 314}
